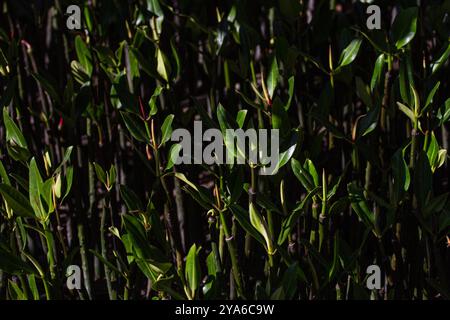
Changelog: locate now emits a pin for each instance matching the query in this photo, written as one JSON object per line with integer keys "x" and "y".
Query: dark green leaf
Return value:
{"x": 349, "y": 53}
{"x": 272, "y": 77}
{"x": 135, "y": 126}
{"x": 166, "y": 129}
{"x": 192, "y": 270}
{"x": 377, "y": 72}
{"x": 360, "y": 206}
{"x": 404, "y": 27}
{"x": 16, "y": 201}
{"x": 13, "y": 264}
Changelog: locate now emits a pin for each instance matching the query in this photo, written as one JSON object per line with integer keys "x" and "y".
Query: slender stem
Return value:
{"x": 312, "y": 236}
{"x": 50, "y": 250}
{"x": 59, "y": 227}
{"x": 252, "y": 199}
{"x": 15, "y": 251}
{"x": 47, "y": 289}
{"x": 126, "y": 288}
{"x": 84, "y": 261}
{"x": 231, "y": 243}
{"x": 414, "y": 135}
{"x": 322, "y": 217}
{"x": 111, "y": 291}
{"x": 174, "y": 232}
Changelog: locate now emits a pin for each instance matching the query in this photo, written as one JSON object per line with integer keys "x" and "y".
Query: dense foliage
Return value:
{"x": 86, "y": 177}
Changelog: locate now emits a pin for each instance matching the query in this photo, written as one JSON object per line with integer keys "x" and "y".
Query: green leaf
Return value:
{"x": 33, "y": 286}
{"x": 430, "y": 98}
{"x": 313, "y": 61}
{"x": 222, "y": 116}
{"x": 432, "y": 151}
{"x": 101, "y": 174}
{"x": 309, "y": 165}
{"x": 66, "y": 158}
{"x": 444, "y": 112}
{"x": 442, "y": 156}
{"x": 163, "y": 66}
{"x": 248, "y": 100}
{"x": 403, "y": 83}
{"x": 291, "y": 278}
{"x": 111, "y": 177}
{"x": 21, "y": 181}
{"x": 289, "y": 223}
{"x": 154, "y": 7}
{"x": 3, "y": 175}
{"x": 16, "y": 201}
{"x": 13, "y": 264}
{"x": 173, "y": 154}
{"x": 105, "y": 262}
{"x": 166, "y": 129}
{"x": 17, "y": 293}
{"x": 84, "y": 55}
{"x": 152, "y": 101}
{"x": 13, "y": 133}
{"x": 225, "y": 123}
{"x": 335, "y": 187}
{"x": 69, "y": 179}
{"x": 176, "y": 57}
{"x": 192, "y": 270}
{"x": 130, "y": 198}
{"x": 359, "y": 205}
{"x": 416, "y": 101}
{"x": 435, "y": 66}
{"x": 147, "y": 66}
{"x": 149, "y": 256}
{"x": 423, "y": 186}
{"x": 291, "y": 82}
{"x": 199, "y": 191}
{"x": 272, "y": 77}
{"x": 79, "y": 72}
{"x": 36, "y": 189}
{"x": 240, "y": 117}
{"x": 135, "y": 126}
{"x": 260, "y": 225}
{"x": 302, "y": 175}
{"x": 335, "y": 264}
{"x": 377, "y": 72}
{"x": 88, "y": 18}
{"x": 280, "y": 119}
{"x": 349, "y": 53}
{"x": 242, "y": 217}
{"x": 4, "y": 68}
{"x": 401, "y": 174}
{"x": 369, "y": 122}
{"x": 210, "y": 287}
{"x": 407, "y": 111}
{"x": 46, "y": 194}
{"x": 404, "y": 27}
{"x": 286, "y": 155}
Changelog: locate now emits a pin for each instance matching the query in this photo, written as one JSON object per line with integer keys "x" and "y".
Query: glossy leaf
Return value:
{"x": 349, "y": 54}
{"x": 404, "y": 27}
{"x": 166, "y": 129}
{"x": 135, "y": 126}
{"x": 17, "y": 202}
{"x": 272, "y": 77}
{"x": 192, "y": 270}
